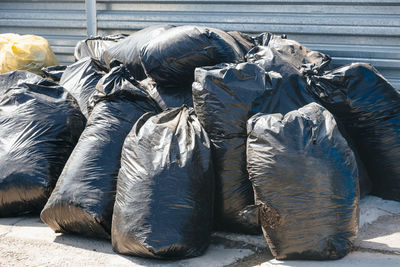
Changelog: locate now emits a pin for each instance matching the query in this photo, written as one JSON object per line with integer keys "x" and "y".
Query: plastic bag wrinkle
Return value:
{"x": 171, "y": 58}
{"x": 164, "y": 201}
{"x": 83, "y": 199}
{"x": 40, "y": 125}
{"x": 81, "y": 78}
{"x": 368, "y": 107}
{"x": 308, "y": 210}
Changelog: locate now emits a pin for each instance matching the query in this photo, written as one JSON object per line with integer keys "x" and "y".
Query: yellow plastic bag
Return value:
{"x": 25, "y": 52}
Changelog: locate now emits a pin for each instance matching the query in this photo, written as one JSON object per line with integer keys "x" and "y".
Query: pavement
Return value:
{"x": 26, "y": 241}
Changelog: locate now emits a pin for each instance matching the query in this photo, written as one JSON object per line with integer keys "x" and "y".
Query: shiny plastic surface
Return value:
{"x": 170, "y": 59}
{"x": 233, "y": 188}
{"x": 164, "y": 201}
{"x": 128, "y": 50}
{"x": 304, "y": 177}
{"x": 225, "y": 97}
{"x": 54, "y": 72}
{"x": 368, "y": 107}
{"x": 168, "y": 97}
{"x": 81, "y": 78}
{"x": 14, "y": 78}
{"x": 95, "y": 46}
{"x": 83, "y": 199}
{"x": 40, "y": 123}
{"x": 243, "y": 40}
{"x": 290, "y": 92}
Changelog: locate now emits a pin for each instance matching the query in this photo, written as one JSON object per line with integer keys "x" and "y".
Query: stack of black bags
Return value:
{"x": 156, "y": 139}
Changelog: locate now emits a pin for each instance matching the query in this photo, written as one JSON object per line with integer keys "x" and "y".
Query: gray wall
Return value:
{"x": 62, "y": 23}
{"x": 351, "y": 30}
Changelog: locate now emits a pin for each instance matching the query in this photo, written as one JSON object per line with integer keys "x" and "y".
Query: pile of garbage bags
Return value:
{"x": 156, "y": 139}
{"x": 83, "y": 199}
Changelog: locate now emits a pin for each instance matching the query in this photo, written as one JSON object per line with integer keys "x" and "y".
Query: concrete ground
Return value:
{"x": 26, "y": 241}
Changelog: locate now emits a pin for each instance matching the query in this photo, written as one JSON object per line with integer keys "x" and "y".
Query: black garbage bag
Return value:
{"x": 95, "y": 46}
{"x": 368, "y": 107}
{"x": 54, "y": 72}
{"x": 40, "y": 124}
{"x": 224, "y": 97}
{"x": 128, "y": 51}
{"x": 168, "y": 97}
{"x": 243, "y": 40}
{"x": 170, "y": 59}
{"x": 164, "y": 203}
{"x": 83, "y": 199}
{"x": 233, "y": 188}
{"x": 363, "y": 177}
{"x": 292, "y": 93}
{"x": 304, "y": 176}
{"x": 81, "y": 78}
{"x": 14, "y": 78}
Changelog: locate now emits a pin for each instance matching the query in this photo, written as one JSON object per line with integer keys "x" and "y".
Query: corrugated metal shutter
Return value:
{"x": 348, "y": 30}
{"x": 63, "y": 23}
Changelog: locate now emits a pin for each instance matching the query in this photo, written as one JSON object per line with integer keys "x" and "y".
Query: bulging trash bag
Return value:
{"x": 368, "y": 107}
{"x": 81, "y": 78}
{"x": 54, "y": 72}
{"x": 170, "y": 59}
{"x": 304, "y": 176}
{"x": 164, "y": 203}
{"x": 225, "y": 97}
{"x": 292, "y": 92}
{"x": 83, "y": 199}
{"x": 95, "y": 46}
{"x": 40, "y": 124}
{"x": 168, "y": 97}
{"x": 25, "y": 52}
{"x": 128, "y": 50}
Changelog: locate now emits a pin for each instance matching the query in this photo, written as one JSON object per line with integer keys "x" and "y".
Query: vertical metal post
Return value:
{"x": 91, "y": 17}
